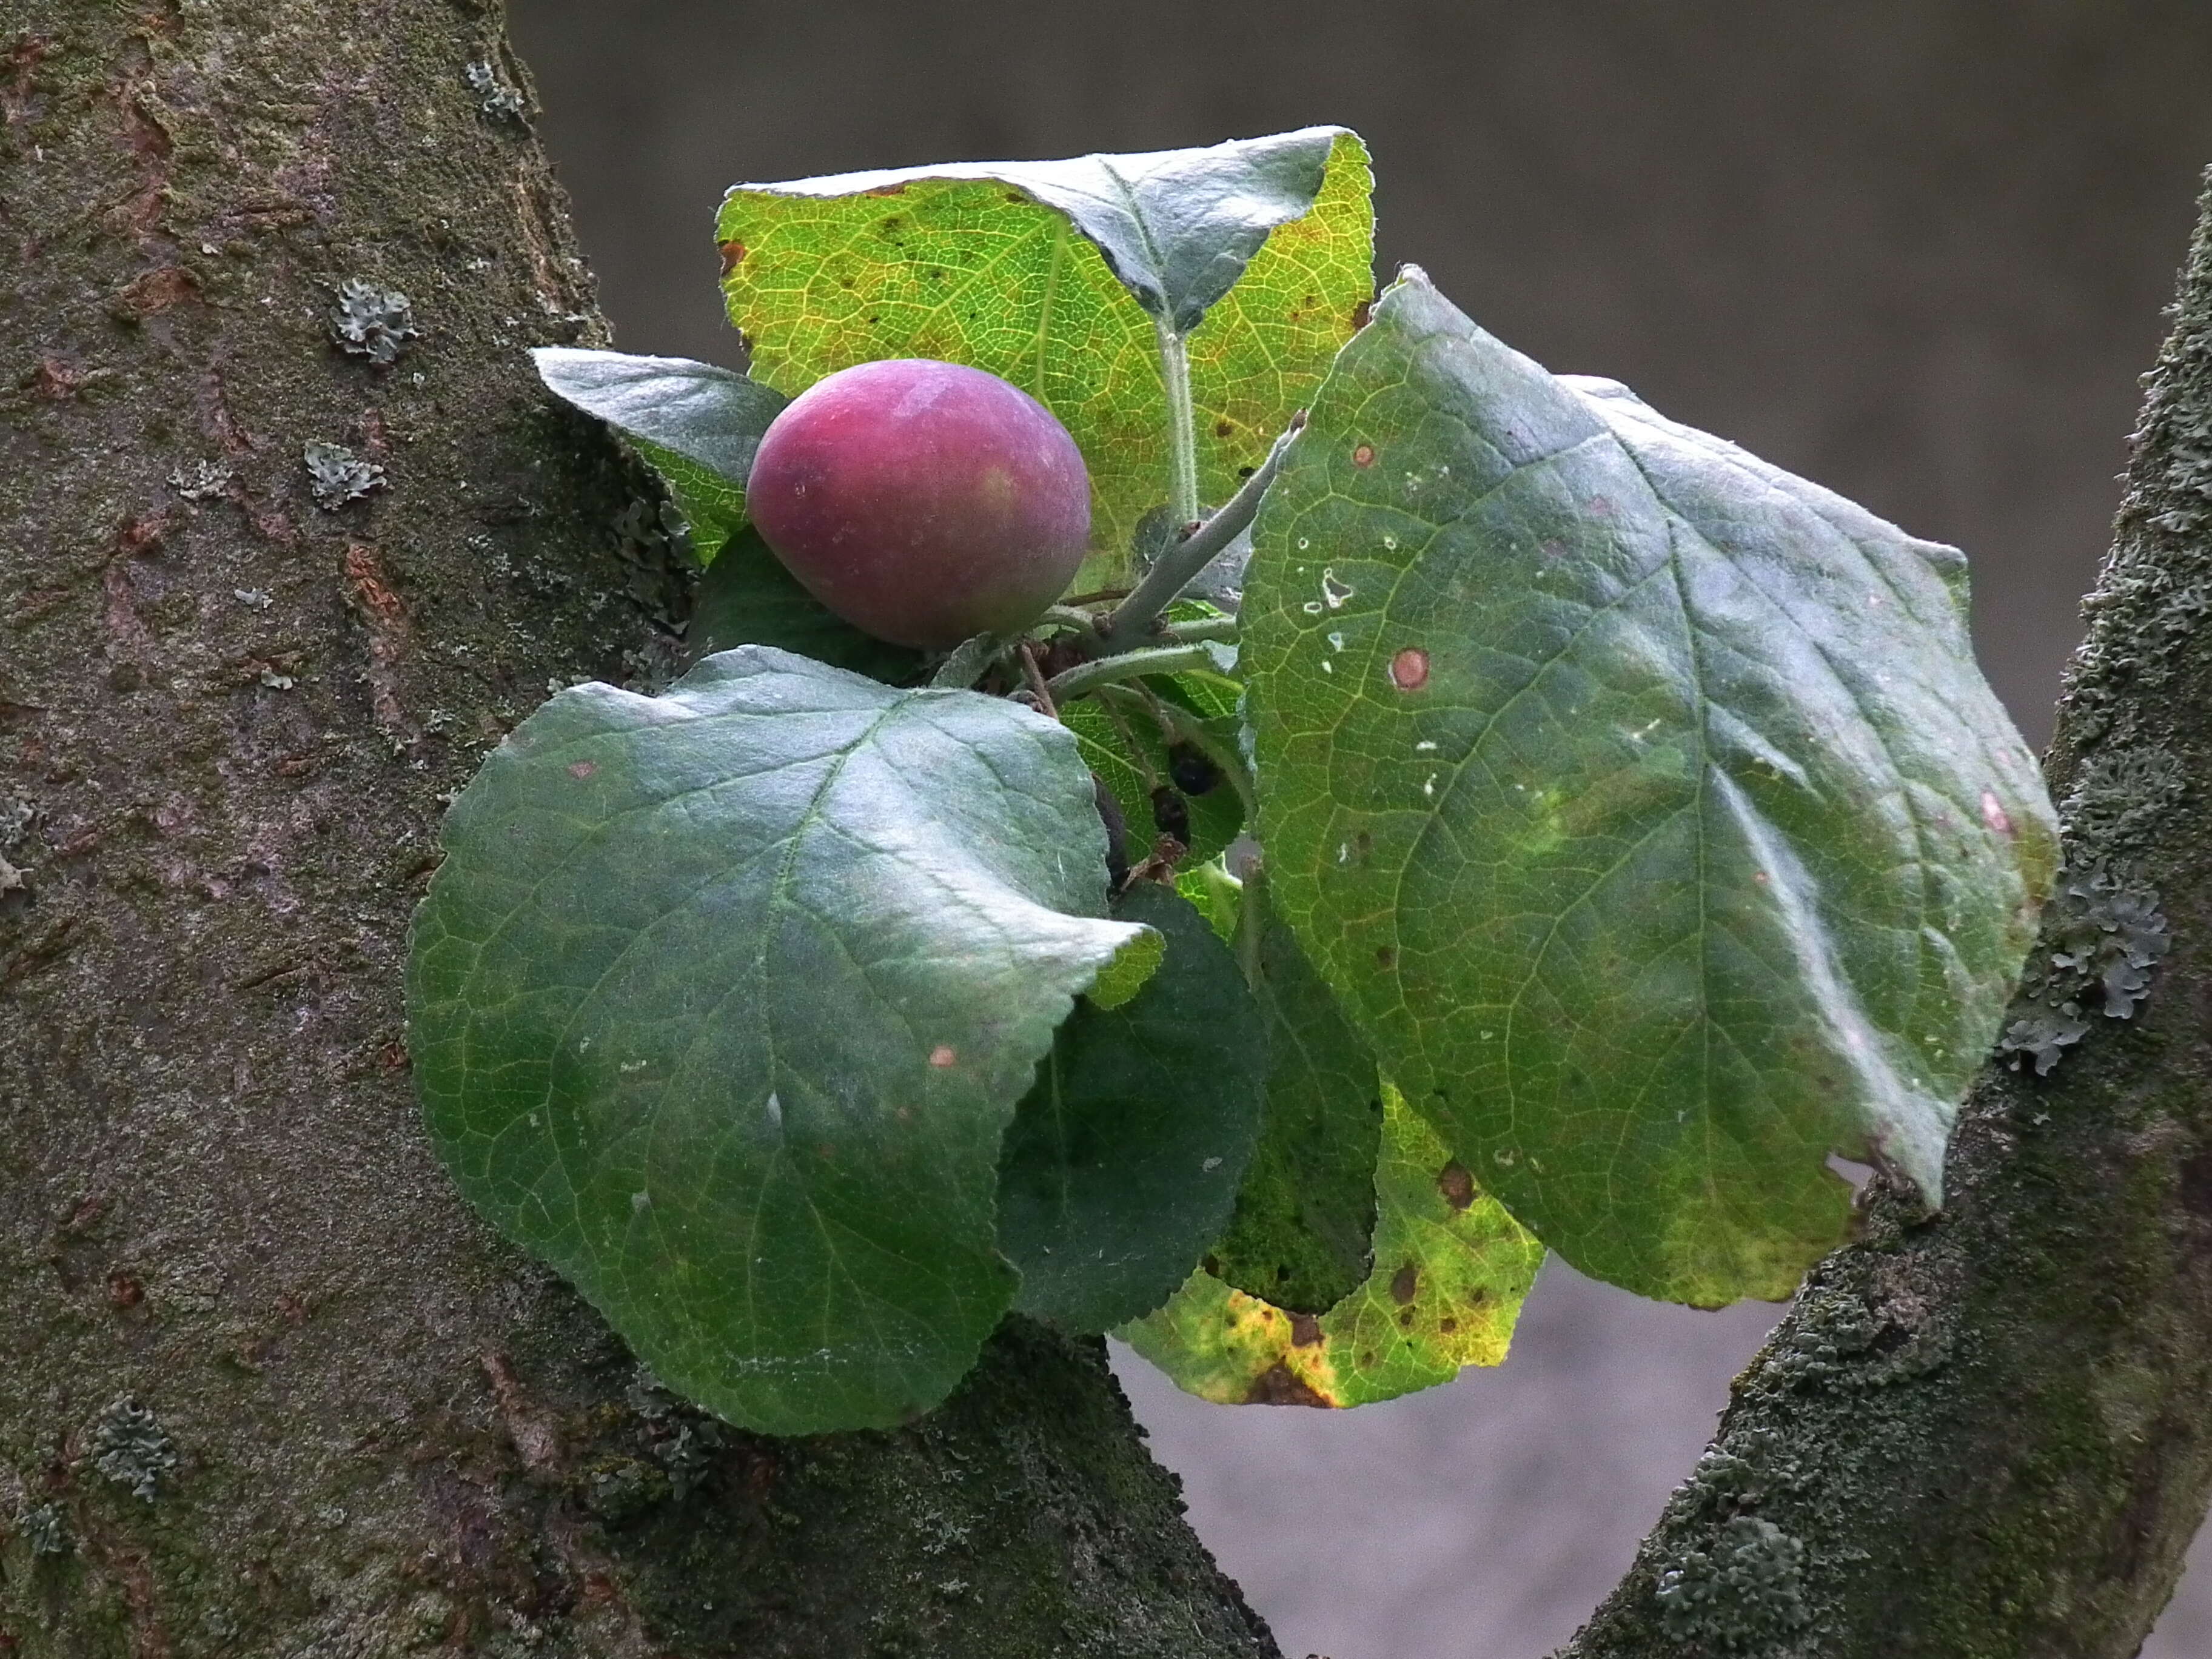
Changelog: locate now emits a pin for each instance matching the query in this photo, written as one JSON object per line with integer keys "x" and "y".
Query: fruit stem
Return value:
{"x": 1130, "y": 626}
{"x": 1204, "y": 655}
{"x": 1035, "y": 676}
{"x": 1182, "y": 423}
{"x": 1066, "y": 616}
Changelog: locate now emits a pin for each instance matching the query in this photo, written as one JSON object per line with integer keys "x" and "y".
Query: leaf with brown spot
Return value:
{"x": 968, "y": 270}
{"x": 1698, "y": 843}
{"x": 1449, "y": 1299}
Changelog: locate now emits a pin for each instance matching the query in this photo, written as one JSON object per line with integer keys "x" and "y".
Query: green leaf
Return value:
{"x": 748, "y": 597}
{"x": 1124, "y": 1158}
{"x": 1217, "y": 894}
{"x": 1451, "y": 1271}
{"x": 1643, "y": 803}
{"x": 721, "y": 1003}
{"x": 1301, "y": 1236}
{"x": 714, "y": 509}
{"x": 1131, "y": 970}
{"x": 695, "y": 424}
{"x": 969, "y": 263}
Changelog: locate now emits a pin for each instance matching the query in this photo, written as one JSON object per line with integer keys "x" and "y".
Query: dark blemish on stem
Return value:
{"x": 1172, "y": 814}
{"x": 1194, "y": 773}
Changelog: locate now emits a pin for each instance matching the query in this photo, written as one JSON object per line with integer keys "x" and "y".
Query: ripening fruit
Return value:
{"x": 924, "y": 502}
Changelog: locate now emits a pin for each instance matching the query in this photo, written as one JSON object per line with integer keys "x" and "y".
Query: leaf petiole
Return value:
{"x": 1200, "y": 627}
{"x": 1207, "y": 656}
{"x": 1182, "y": 422}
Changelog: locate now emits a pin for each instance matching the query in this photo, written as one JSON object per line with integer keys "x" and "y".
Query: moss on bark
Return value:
{"x": 271, "y": 1391}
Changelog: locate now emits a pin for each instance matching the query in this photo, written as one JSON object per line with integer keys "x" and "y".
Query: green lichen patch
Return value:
{"x": 131, "y": 1448}
{"x": 44, "y": 1531}
{"x": 2102, "y": 938}
{"x": 372, "y": 321}
{"x": 1744, "y": 1592}
{"x": 338, "y": 476}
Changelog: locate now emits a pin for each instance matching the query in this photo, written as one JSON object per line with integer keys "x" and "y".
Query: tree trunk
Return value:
{"x": 1990, "y": 1433}
{"x": 269, "y": 1390}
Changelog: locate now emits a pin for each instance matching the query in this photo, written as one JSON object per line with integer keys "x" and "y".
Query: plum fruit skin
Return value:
{"x": 924, "y": 502}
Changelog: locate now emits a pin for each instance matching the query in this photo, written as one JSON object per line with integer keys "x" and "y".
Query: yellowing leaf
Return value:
{"x": 1451, "y": 1270}
{"x": 977, "y": 270}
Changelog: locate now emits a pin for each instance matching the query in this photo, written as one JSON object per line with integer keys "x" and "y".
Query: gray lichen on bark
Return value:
{"x": 229, "y": 721}
{"x": 1991, "y": 1432}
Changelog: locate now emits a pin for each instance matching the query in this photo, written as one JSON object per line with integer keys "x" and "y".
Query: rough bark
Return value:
{"x": 1989, "y": 1435}
{"x": 269, "y": 1390}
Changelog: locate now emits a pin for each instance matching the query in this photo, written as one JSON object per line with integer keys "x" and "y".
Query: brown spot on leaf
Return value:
{"x": 733, "y": 255}
{"x": 1364, "y": 455}
{"x": 123, "y": 1291}
{"x": 1386, "y": 956}
{"x": 582, "y": 768}
{"x": 1404, "y": 1283}
{"x": 1447, "y": 1325}
{"x": 1224, "y": 429}
{"x": 1280, "y": 1386}
{"x": 1457, "y": 1186}
{"x": 943, "y": 1056}
{"x": 1361, "y": 313}
{"x": 1305, "y": 1331}
{"x": 898, "y": 189}
{"x": 1409, "y": 669}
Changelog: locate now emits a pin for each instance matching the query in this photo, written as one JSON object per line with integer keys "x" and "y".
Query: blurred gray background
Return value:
{"x": 1915, "y": 249}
